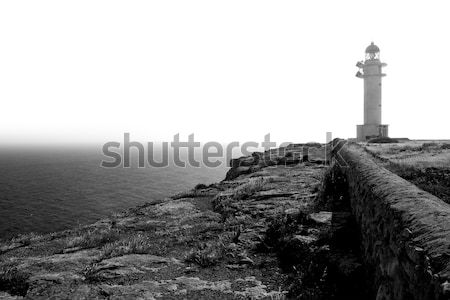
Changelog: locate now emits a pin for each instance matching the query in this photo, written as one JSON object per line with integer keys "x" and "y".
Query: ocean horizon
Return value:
{"x": 50, "y": 189}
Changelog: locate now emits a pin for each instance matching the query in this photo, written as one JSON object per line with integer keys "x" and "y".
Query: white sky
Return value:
{"x": 85, "y": 71}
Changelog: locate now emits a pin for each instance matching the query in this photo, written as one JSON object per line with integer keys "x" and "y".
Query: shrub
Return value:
{"x": 279, "y": 229}
{"x": 411, "y": 148}
{"x": 207, "y": 255}
{"x": 427, "y": 146}
{"x": 223, "y": 207}
{"x": 13, "y": 281}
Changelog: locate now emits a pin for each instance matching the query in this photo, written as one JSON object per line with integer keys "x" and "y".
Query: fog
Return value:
{"x": 88, "y": 71}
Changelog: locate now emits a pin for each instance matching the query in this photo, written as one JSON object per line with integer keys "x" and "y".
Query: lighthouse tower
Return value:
{"x": 370, "y": 71}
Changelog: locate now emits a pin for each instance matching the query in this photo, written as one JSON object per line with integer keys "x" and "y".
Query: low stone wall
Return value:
{"x": 405, "y": 231}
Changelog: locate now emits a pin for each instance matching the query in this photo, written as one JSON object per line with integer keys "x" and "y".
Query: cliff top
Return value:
{"x": 208, "y": 242}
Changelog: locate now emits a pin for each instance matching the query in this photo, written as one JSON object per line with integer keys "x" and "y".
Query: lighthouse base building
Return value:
{"x": 371, "y": 71}
{"x": 369, "y": 131}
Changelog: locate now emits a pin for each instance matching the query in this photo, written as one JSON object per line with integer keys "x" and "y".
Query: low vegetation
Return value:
{"x": 382, "y": 140}
{"x": 28, "y": 238}
{"x": 432, "y": 180}
{"x": 306, "y": 265}
{"x": 427, "y": 165}
{"x": 13, "y": 281}
{"x": 208, "y": 254}
{"x": 199, "y": 191}
{"x": 90, "y": 273}
{"x": 254, "y": 185}
{"x": 136, "y": 244}
{"x": 93, "y": 238}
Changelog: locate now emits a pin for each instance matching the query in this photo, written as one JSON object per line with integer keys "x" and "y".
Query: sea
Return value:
{"x": 47, "y": 189}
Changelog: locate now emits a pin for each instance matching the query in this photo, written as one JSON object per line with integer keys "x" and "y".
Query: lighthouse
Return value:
{"x": 370, "y": 71}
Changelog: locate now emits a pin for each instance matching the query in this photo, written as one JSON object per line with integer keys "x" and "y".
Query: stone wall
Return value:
{"x": 405, "y": 231}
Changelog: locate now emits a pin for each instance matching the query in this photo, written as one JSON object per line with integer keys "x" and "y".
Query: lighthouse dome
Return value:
{"x": 372, "y": 48}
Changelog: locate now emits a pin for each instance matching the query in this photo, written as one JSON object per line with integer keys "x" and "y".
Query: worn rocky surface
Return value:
{"x": 212, "y": 242}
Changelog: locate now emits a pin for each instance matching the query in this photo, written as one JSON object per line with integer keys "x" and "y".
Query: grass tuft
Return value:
{"x": 93, "y": 238}
{"x": 247, "y": 189}
{"x": 209, "y": 254}
{"x": 137, "y": 244}
{"x": 28, "y": 238}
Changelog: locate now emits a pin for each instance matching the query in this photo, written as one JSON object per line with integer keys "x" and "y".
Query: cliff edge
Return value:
{"x": 217, "y": 241}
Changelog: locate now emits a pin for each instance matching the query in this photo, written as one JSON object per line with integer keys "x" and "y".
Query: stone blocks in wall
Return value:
{"x": 405, "y": 231}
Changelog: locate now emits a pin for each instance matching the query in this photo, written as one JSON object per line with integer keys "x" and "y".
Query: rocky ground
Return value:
{"x": 259, "y": 234}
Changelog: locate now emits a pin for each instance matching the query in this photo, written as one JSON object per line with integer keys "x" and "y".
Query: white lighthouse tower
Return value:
{"x": 370, "y": 71}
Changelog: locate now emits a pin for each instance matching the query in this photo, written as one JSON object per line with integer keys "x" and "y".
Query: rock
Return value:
{"x": 189, "y": 270}
{"x": 446, "y": 288}
{"x": 58, "y": 277}
{"x": 317, "y": 161}
{"x": 292, "y": 211}
{"x": 6, "y": 296}
{"x": 176, "y": 207}
{"x": 8, "y": 247}
{"x": 271, "y": 194}
{"x": 68, "y": 261}
{"x": 235, "y": 267}
{"x": 248, "y": 161}
{"x": 268, "y": 161}
{"x": 288, "y": 161}
{"x": 71, "y": 250}
{"x": 232, "y": 247}
{"x": 244, "y": 161}
{"x": 141, "y": 260}
{"x": 127, "y": 265}
{"x": 414, "y": 253}
{"x": 322, "y": 217}
{"x": 254, "y": 169}
{"x": 313, "y": 145}
{"x": 236, "y": 172}
{"x": 254, "y": 289}
{"x": 195, "y": 283}
{"x": 305, "y": 239}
